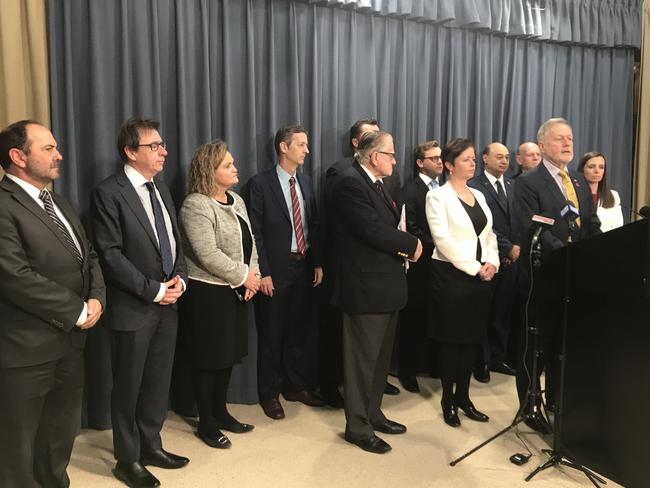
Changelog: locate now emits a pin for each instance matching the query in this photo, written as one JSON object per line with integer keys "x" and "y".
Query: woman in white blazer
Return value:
{"x": 465, "y": 260}
{"x": 594, "y": 166}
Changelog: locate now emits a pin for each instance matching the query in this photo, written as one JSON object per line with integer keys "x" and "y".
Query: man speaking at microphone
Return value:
{"x": 548, "y": 190}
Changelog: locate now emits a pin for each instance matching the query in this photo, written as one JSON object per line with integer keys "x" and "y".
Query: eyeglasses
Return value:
{"x": 154, "y": 146}
{"x": 392, "y": 155}
{"x": 433, "y": 158}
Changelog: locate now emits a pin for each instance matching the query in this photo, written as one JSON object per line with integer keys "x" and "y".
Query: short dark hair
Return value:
{"x": 605, "y": 196}
{"x": 14, "y": 136}
{"x": 355, "y": 130}
{"x": 129, "y": 134}
{"x": 285, "y": 134}
{"x": 453, "y": 149}
{"x": 420, "y": 149}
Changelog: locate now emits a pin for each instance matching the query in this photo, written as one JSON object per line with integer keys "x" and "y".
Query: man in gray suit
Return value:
{"x": 136, "y": 234}
{"x": 51, "y": 292}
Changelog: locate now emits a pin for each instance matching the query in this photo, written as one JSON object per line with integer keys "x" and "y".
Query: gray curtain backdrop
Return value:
{"x": 239, "y": 69}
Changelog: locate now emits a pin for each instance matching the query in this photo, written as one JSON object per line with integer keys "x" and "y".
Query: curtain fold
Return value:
{"x": 24, "y": 84}
{"x": 609, "y": 23}
{"x": 238, "y": 70}
{"x": 641, "y": 179}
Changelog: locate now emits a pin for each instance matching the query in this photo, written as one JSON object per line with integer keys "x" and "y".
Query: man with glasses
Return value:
{"x": 136, "y": 234}
{"x": 370, "y": 286}
{"x": 413, "y": 341}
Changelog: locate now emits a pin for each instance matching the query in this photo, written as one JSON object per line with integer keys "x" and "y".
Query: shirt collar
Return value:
{"x": 372, "y": 177}
{"x": 134, "y": 176}
{"x": 492, "y": 179}
{"x": 283, "y": 175}
{"x": 426, "y": 178}
{"x": 554, "y": 170}
{"x": 31, "y": 190}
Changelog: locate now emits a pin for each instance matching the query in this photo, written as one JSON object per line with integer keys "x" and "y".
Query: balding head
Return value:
{"x": 496, "y": 158}
{"x": 528, "y": 156}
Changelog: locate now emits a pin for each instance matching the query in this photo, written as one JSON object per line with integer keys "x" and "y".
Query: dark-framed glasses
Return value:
{"x": 154, "y": 146}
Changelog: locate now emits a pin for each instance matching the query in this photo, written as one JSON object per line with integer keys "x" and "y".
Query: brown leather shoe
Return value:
{"x": 305, "y": 397}
{"x": 272, "y": 408}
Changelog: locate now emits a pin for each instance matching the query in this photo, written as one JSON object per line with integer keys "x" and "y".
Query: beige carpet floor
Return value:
{"x": 306, "y": 449}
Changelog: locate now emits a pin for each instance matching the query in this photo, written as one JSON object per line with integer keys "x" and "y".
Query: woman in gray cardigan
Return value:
{"x": 223, "y": 276}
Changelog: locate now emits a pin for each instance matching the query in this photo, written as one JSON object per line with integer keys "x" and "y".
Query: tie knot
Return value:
{"x": 563, "y": 174}
{"x": 150, "y": 186}
{"x": 44, "y": 195}
{"x": 292, "y": 181}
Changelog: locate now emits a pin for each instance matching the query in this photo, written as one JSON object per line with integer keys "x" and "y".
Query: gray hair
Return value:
{"x": 369, "y": 143}
{"x": 543, "y": 129}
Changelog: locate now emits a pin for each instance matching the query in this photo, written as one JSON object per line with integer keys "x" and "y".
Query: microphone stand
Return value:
{"x": 533, "y": 393}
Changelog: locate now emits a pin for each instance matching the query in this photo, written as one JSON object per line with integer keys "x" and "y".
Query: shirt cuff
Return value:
{"x": 183, "y": 283}
{"x": 161, "y": 293}
{"x": 83, "y": 316}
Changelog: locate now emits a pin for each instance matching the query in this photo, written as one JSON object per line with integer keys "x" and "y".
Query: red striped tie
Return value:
{"x": 297, "y": 219}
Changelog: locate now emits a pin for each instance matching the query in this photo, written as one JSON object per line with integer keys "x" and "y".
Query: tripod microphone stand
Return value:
{"x": 533, "y": 393}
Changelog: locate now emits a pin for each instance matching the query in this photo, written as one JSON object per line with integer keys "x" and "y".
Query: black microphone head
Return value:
{"x": 645, "y": 211}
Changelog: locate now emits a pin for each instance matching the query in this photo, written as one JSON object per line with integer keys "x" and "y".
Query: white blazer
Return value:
{"x": 610, "y": 218}
{"x": 453, "y": 233}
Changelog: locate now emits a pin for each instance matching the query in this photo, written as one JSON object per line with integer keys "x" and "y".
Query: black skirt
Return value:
{"x": 460, "y": 305}
{"x": 213, "y": 326}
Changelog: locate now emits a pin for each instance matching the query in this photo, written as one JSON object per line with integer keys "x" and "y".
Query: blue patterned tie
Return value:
{"x": 161, "y": 230}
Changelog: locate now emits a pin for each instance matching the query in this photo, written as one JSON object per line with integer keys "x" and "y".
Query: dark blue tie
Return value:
{"x": 161, "y": 230}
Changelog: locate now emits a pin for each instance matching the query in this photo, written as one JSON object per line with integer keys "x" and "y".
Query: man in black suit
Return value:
{"x": 499, "y": 192}
{"x": 136, "y": 235}
{"x": 284, "y": 218}
{"x": 370, "y": 285}
{"x": 413, "y": 342}
{"x": 331, "y": 323}
{"x": 545, "y": 190}
{"x": 51, "y": 293}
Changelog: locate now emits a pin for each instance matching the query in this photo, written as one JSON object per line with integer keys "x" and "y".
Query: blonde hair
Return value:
{"x": 207, "y": 158}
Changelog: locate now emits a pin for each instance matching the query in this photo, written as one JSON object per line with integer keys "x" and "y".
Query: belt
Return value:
{"x": 296, "y": 256}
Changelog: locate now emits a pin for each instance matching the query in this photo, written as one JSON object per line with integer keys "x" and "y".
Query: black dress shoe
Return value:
{"x": 389, "y": 427}
{"x": 410, "y": 383}
{"x": 235, "y": 427}
{"x": 473, "y": 414}
{"x": 450, "y": 414}
{"x": 163, "y": 459}
{"x": 332, "y": 397}
{"x": 372, "y": 444}
{"x": 502, "y": 367}
{"x": 303, "y": 397}
{"x": 391, "y": 389}
{"x": 218, "y": 441}
{"x": 482, "y": 373}
{"x": 272, "y": 408}
{"x": 135, "y": 475}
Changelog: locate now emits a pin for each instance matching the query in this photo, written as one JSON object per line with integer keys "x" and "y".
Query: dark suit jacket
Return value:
{"x": 537, "y": 192}
{"x": 370, "y": 276}
{"x": 504, "y": 219}
{"x": 42, "y": 286}
{"x": 271, "y": 223}
{"x": 129, "y": 253}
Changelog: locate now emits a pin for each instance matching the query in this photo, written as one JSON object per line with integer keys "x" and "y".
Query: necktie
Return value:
{"x": 161, "y": 230}
{"x": 297, "y": 218}
{"x": 501, "y": 195}
{"x": 433, "y": 184}
{"x": 570, "y": 191}
{"x": 49, "y": 209}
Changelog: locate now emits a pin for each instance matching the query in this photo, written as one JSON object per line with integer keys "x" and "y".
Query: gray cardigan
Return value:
{"x": 212, "y": 240}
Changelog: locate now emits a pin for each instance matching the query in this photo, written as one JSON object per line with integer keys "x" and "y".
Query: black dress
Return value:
{"x": 461, "y": 303}
{"x": 213, "y": 321}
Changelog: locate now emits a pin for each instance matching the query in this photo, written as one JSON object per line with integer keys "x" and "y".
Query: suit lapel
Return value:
{"x": 306, "y": 195}
{"x": 135, "y": 204}
{"x": 28, "y": 202}
{"x": 551, "y": 185}
{"x": 276, "y": 189}
{"x": 72, "y": 220}
{"x": 493, "y": 193}
{"x": 510, "y": 195}
{"x": 373, "y": 187}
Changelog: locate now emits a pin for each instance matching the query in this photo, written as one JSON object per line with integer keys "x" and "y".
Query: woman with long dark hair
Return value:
{"x": 594, "y": 166}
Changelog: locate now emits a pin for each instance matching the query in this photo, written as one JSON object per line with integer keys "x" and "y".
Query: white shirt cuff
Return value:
{"x": 83, "y": 316}
{"x": 161, "y": 293}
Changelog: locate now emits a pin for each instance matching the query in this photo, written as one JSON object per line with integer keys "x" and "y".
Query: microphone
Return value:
{"x": 544, "y": 222}
{"x": 643, "y": 212}
{"x": 540, "y": 223}
{"x": 570, "y": 214}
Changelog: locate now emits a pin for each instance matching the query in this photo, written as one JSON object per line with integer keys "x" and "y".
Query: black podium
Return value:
{"x": 604, "y": 422}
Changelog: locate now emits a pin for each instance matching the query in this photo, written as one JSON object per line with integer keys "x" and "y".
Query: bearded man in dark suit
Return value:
{"x": 51, "y": 293}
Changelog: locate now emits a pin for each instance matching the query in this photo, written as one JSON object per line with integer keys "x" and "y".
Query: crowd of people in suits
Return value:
{"x": 436, "y": 264}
